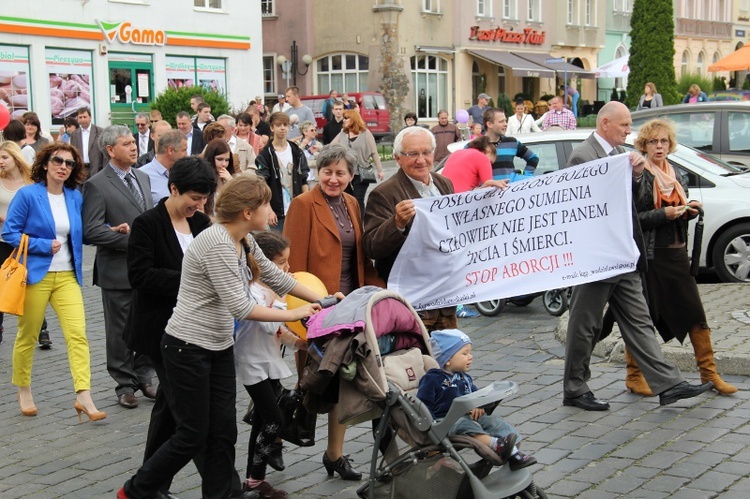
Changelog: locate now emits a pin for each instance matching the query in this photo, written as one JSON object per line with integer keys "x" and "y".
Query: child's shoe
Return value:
{"x": 505, "y": 446}
{"x": 520, "y": 460}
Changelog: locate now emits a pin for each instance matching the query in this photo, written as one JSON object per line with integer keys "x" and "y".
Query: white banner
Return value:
{"x": 551, "y": 231}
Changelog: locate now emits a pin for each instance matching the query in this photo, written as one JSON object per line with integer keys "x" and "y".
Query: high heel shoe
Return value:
{"x": 93, "y": 416}
{"x": 342, "y": 466}
{"x": 26, "y": 412}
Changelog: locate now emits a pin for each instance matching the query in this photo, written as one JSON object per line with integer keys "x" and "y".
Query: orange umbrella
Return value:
{"x": 738, "y": 60}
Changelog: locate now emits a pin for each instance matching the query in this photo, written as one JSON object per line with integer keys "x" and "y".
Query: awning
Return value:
{"x": 521, "y": 67}
{"x": 560, "y": 67}
{"x": 434, "y": 50}
{"x": 739, "y": 60}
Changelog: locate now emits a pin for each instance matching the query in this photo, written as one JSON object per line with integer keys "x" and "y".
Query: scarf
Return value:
{"x": 667, "y": 189}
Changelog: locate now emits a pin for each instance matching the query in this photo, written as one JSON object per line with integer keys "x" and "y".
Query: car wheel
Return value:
{"x": 731, "y": 254}
{"x": 490, "y": 308}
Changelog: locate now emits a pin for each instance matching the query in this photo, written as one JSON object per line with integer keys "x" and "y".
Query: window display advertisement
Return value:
{"x": 14, "y": 79}
{"x": 69, "y": 81}
{"x": 180, "y": 71}
{"x": 212, "y": 74}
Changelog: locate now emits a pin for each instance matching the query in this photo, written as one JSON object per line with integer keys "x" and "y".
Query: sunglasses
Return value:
{"x": 57, "y": 161}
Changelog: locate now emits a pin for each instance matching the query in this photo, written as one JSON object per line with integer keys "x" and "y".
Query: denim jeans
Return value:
{"x": 488, "y": 424}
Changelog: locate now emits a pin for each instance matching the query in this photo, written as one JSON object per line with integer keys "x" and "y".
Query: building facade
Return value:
{"x": 438, "y": 54}
{"x": 616, "y": 45}
{"x": 703, "y": 34}
{"x": 115, "y": 56}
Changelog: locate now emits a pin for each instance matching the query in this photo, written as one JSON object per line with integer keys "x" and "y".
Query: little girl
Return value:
{"x": 476, "y": 131}
{"x": 439, "y": 387}
{"x": 259, "y": 367}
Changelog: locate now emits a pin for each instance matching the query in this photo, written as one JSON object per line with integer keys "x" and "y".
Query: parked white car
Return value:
{"x": 723, "y": 189}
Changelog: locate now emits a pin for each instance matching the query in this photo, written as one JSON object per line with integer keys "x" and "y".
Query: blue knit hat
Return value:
{"x": 446, "y": 342}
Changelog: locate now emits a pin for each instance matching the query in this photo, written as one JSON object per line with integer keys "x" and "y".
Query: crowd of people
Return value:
{"x": 197, "y": 230}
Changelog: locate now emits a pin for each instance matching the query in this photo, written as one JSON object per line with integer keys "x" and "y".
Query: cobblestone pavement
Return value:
{"x": 696, "y": 448}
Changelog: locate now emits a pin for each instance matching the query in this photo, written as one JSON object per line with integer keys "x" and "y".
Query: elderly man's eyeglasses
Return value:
{"x": 653, "y": 142}
{"x": 58, "y": 161}
{"x": 414, "y": 155}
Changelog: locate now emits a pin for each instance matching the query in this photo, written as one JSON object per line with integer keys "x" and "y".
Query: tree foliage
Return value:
{"x": 652, "y": 51}
{"x": 173, "y": 100}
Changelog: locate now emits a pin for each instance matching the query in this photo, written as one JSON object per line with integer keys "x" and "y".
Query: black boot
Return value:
{"x": 275, "y": 459}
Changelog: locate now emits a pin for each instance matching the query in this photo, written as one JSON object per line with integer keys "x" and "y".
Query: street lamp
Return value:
{"x": 289, "y": 69}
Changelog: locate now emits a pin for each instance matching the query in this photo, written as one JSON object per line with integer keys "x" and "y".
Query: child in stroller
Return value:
{"x": 439, "y": 387}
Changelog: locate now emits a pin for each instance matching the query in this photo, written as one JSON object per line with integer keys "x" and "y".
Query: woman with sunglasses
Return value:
{"x": 49, "y": 213}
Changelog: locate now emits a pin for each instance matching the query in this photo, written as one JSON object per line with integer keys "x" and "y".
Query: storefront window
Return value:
{"x": 69, "y": 74}
{"x": 343, "y": 73}
{"x": 209, "y": 73}
{"x": 430, "y": 84}
{"x": 14, "y": 79}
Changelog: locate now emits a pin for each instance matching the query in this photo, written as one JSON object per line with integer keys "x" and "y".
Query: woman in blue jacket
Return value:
{"x": 49, "y": 213}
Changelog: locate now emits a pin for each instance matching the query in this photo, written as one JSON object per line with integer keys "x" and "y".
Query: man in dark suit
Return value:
{"x": 112, "y": 199}
{"x": 195, "y": 140}
{"x": 390, "y": 209}
{"x": 142, "y": 137}
{"x": 623, "y": 292}
{"x": 88, "y": 133}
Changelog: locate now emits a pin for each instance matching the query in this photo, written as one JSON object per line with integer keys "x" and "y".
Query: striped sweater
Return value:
{"x": 507, "y": 149}
{"x": 212, "y": 289}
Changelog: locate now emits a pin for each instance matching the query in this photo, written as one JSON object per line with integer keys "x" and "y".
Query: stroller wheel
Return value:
{"x": 556, "y": 301}
{"x": 531, "y": 492}
{"x": 490, "y": 308}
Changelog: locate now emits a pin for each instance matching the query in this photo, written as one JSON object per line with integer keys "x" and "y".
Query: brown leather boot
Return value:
{"x": 704, "y": 357}
{"x": 634, "y": 380}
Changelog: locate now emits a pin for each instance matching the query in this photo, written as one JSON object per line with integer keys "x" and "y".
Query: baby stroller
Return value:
{"x": 421, "y": 460}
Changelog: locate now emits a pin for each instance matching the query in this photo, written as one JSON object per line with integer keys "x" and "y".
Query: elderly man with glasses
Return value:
{"x": 390, "y": 209}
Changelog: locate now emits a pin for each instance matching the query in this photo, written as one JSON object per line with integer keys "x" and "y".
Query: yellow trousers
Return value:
{"x": 61, "y": 290}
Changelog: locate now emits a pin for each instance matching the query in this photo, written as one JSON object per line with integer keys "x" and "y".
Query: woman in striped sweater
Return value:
{"x": 197, "y": 348}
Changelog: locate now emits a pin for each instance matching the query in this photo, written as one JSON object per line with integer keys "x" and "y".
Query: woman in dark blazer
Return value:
{"x": 157, "y": 243}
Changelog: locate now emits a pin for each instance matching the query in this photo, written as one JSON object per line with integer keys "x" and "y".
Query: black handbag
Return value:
{"x": 298, "y": 427}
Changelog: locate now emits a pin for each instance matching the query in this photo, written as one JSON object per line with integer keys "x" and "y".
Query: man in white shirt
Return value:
{"x": 195, "y": 141}
{"x": 86, "y": 140}
{"x": 171, "y": 147}
{"x": 142, "y": 137}
{"x": 297, "y": 109}
{"x": 281, "y": 106}
{"x": 158, "y": 128}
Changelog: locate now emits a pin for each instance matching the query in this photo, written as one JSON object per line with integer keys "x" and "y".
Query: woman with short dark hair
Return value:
{"x": 158, "y": 240}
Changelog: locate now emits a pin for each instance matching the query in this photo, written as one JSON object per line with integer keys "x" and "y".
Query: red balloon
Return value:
{"x": 4, "y": 117}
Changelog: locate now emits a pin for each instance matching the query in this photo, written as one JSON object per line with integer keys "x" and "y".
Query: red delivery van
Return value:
{"x": 372, "y": 107}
